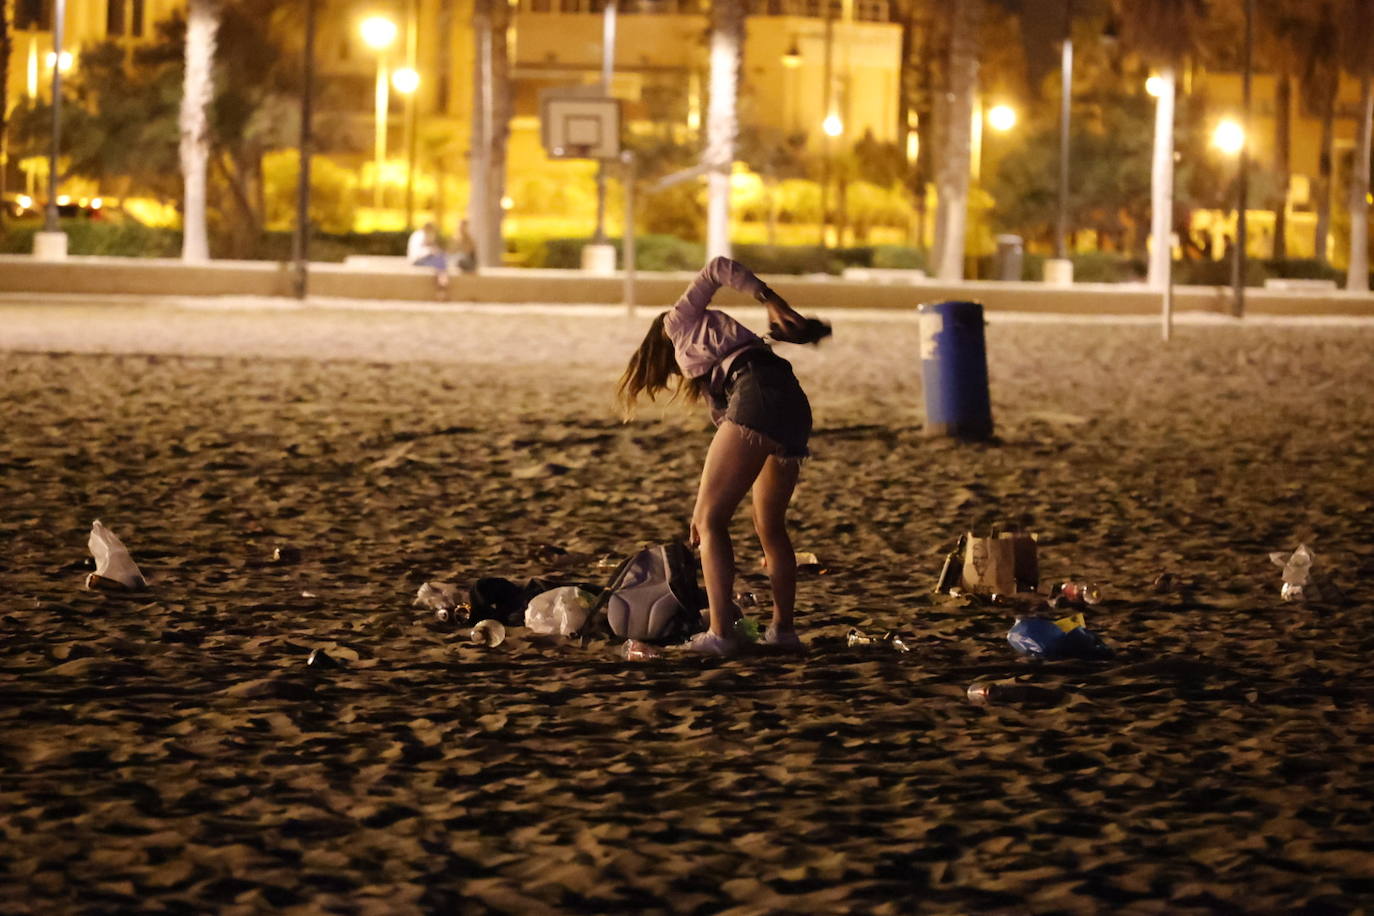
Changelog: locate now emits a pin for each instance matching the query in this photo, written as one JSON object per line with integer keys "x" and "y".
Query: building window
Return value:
{"x": 33, "y": 14}
{"x": 136, "y": 18}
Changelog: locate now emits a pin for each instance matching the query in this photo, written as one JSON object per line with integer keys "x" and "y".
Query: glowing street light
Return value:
{"x": 63, "y": 61}
{"x": 832, "y": 125}
{"x": 378, "y": 33}
{"x": 1154, "y": 86}
{"x": 1229, "y": 137}
{"x": 405, "y": 80}
{"x": 1001, "y": 117}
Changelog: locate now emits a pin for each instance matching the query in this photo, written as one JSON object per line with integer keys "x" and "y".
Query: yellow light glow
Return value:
{"x": 25, "y": 201}
{"x": 97, "y": 203}
{"x": 507, "y": 202}
{"x": 791, "y": 59}
{"x": 1154, "y": 86}
{"x": 1229, "y": 137}
{"x": 1001, "y": 117}
{"x": 406, "y": 80}
{"x": 64, "y": 63}
{"x": 832, "y": 125}
{"x": 378, "y": 32}
{"x": 63, "y": 200}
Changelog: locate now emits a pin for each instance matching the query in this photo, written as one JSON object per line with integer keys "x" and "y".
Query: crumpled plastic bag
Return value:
{"x": 113, "y": 563}
{"x": 1297, "y": 573}
{"x": 1038, "y": 637}
{"x": 559, "y": 610}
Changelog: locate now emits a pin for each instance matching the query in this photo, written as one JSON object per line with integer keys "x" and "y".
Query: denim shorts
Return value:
{"x": 764, "y": 398}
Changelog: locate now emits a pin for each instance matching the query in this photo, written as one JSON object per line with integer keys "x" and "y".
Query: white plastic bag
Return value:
{"x": 559, "y": 610}
{"x": 112, "y": 560}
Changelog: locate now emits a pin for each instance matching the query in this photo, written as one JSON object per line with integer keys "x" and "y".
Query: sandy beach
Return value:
{"x": 170, "y": 750}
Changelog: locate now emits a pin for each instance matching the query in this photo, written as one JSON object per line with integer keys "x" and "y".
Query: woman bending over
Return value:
{"x": 763, "y": 423}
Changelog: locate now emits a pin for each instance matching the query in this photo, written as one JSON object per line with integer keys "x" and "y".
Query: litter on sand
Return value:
{"x": 115, "y": 568}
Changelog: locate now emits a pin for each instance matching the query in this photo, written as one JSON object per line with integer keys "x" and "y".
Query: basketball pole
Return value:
{"x": 627, "y": 159}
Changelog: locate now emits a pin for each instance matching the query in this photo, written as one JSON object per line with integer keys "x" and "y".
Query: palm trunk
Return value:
{"x": 1323, "y": 189}
{"x": 479, "y": 152}
{"x": 1283, "y": 102}
{"x": 722, "y": 120}
{"x": 953, "y": 184}
{"x": 5, "y": 32}
{"x": 1162, "y": 184}
{"x": 1357, "y": 275}
{"x": 198, "y": 90}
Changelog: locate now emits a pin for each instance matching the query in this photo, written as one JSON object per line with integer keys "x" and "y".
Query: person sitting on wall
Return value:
{"x": 424, "y": 250}
{"x": 465, "y": 249}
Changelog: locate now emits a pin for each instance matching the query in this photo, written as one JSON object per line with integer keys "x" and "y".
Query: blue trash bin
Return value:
{"x": 954, "y": 370}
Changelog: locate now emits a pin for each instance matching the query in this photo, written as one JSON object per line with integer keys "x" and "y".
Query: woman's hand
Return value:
{"x": 783, "y": 317}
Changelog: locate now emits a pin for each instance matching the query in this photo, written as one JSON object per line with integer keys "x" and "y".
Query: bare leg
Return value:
{"x": 772, "y": 494}
{"x": 732, "y": 463}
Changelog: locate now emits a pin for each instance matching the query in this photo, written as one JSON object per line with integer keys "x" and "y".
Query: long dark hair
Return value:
{"x": 651, "y": 370}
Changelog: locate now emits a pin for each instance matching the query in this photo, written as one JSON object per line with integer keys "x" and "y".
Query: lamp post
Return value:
{"x": 406, "y": 81}
{"x": 378, "y": 34}
{"x": 51, "y": 243}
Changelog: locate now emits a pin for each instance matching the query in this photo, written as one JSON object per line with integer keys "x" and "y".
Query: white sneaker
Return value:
{"x": 787, "y": 640}
{"x": 708, "y": 643}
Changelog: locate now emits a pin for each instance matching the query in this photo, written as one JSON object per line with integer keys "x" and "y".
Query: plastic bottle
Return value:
{"x": 983, "y": 693}
{"x": 637, "y": 651}
{"x": 1077, "y": 591}
{"x": 953, "y": 568}
{"x": 747, "y": 629}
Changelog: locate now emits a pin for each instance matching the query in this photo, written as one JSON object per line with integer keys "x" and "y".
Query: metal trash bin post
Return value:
{"x": 954, "y": 370}
{"x": 1010, "y": 257}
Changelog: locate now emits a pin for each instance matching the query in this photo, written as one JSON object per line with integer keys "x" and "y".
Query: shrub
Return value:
{"x": 107, "y": 237}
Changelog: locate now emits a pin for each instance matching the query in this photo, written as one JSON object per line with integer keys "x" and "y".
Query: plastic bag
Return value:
{"x": 559, "y": 610}
{"x": 1038, "y": 637}
{"x": 113, "y": 564}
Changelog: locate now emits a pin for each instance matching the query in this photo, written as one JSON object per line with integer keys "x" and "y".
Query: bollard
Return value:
{"x": 954, "y": 370}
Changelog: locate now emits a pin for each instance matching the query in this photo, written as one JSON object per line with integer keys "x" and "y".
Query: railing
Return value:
{"x": 864, "y": 10}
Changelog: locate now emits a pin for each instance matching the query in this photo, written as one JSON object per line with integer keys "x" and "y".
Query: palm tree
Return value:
{"x": 722, "y": 119}
{"x": 1161, "y": 31}
{"x": 1321, "y": 77}
{"x": 198, "y": 91}
{"x": 952, "y": 178}
{"x": 5, "y": 33}
{"x": 490, "y": 127}
{"x": 1359, "y": 23}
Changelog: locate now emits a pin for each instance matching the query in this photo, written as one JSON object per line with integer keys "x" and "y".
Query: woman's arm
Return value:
{"x": 720, "y": 272}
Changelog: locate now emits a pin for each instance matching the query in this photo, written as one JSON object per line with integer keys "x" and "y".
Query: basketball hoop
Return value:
{"x": 579, "y": 126}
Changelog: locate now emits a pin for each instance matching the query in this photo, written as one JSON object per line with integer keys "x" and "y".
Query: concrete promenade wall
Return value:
{"x": 156, "y": 277}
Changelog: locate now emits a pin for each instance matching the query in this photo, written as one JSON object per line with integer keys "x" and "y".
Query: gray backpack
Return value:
{"x": 654, "y": 596}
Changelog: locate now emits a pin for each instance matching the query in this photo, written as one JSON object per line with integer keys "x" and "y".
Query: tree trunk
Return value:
{"x": 953, "y": 183}
{"x": 1162, "y": 184}
{"x": 1357, "y": 275}
{"x": 198, "y": 91}
{"x": 1322, "y": 192}
{"x": 722, "y": 120}
{"x": 490, "y": 128}
{"x": 1283, "y": 118}
{"x": 5, "y": 32}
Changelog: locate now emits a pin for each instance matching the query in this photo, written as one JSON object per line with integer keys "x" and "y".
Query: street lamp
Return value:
{"x": 1229, "y": 137}
{"x": 407, "y": 81}
{"x": 1001, "y": 118}
{"x": 378, "y": 33}
{"x": 51, "y": 243}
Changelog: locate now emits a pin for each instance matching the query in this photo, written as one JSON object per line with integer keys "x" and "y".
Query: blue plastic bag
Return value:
{"x": 1039, "y": 637}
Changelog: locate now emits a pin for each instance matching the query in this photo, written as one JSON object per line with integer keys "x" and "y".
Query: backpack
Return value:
{"x": 654, "y": 596}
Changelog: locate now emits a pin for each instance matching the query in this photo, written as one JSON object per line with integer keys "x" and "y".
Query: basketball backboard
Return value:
{"x": 574, "y": 126}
